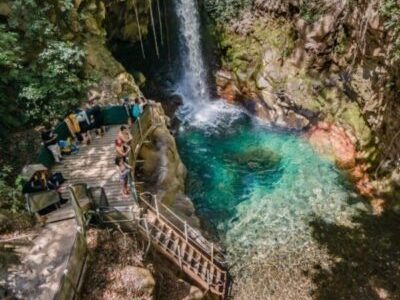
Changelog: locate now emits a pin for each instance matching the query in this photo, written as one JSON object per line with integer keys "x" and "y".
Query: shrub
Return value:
{"x": 390, "y": 10}
{"x": 225, "y": 10}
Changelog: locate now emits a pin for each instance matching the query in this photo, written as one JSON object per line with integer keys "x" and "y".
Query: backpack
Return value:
{"x": 65, "y": 147}
{"x": 136, "y": 111}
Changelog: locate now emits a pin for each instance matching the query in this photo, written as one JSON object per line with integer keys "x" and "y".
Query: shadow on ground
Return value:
{"x": 366, "y": 258}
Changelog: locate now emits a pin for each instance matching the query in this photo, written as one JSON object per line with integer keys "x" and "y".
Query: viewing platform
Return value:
{"x": 58, "y": 256}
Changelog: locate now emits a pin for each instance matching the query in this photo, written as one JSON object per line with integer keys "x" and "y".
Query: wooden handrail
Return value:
{"x": 146, "y": 124}
{"x": 179, "y": 257}
{"x": 211, "y": 251}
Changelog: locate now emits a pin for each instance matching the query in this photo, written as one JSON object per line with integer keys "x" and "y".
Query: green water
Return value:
{"x": 259, "y": 189}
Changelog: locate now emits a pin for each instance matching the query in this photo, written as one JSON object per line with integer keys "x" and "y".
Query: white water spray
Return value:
{"x": 198, "y": 108}
{"x": 193, "y": 83}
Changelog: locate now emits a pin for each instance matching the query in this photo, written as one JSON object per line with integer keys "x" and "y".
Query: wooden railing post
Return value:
{"x": 179, "y": 257}
{"x": 156, "y": 206}
{"x": 140, "y": 129}
{"x": 212, "y": 252}
{"x": 186, "y": 232}
{"x": 146, "y": 226}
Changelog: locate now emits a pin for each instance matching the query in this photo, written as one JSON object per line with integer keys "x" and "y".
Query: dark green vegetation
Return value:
{"x": 42, "y": 78}
{"x": 391, "y": 12}
{"x": 225, "y": 10}
{"x": 42, "y": 74}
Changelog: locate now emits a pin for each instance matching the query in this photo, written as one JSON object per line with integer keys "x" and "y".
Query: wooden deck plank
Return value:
{"x": 93, "y": 165}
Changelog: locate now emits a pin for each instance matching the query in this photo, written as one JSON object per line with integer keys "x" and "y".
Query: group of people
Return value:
{"x": 134, "y": 108}
{"x": 81, "y": 123}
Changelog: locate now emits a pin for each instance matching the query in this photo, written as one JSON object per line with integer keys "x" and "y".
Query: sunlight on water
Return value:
{"x": 259, "y": 189}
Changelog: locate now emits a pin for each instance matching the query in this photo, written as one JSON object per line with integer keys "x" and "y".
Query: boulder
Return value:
{"x": 124, "y": 84}
{"x": 194, "y": 294}
{"x": 333, "y": 142}
{"x": 139, "y": 279}
{"x": 163, "y": 171}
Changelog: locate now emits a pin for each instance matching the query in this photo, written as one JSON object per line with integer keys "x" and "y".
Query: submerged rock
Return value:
{"x": 257, "y": 159}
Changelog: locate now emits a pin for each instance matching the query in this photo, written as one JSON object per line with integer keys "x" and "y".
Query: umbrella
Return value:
{"x": 29, "y": 170}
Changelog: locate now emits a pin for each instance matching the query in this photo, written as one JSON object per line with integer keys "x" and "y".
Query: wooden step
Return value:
{"x": 205, "y": 269}
{"x": 167, "y": 239}
{"x": 183, "y": 250}
{"x": 190, "y": 255}
{"x": 175, "y": 246}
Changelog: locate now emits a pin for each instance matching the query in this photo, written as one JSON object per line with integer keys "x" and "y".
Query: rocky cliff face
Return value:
{"x": 163, "y": 172}
{"x": 297, "y": 64}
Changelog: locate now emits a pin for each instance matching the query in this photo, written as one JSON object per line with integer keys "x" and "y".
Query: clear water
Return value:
{"x": 259, "y": 189}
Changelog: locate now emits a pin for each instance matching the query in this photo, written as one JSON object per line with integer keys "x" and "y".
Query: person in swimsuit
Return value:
{"x": 123, "y": 171}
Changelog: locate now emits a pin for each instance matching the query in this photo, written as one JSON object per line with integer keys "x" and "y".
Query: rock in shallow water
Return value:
{"x": 333, "y": 141}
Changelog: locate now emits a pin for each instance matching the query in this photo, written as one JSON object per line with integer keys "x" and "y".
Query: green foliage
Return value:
{"x": 42, "y": 76}
{"x": 12, "y": 213}
{"x": 390, "y": 10}
{"x": 54, "y": 84}
{"x": 311, "y": 11}
{"x": 10, "y": 194}
{"x": 242, "y": 51}
{"x": 10, "y": 64}
{"x": 225, "y": 10}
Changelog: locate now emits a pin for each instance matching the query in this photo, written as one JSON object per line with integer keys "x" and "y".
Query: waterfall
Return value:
{"x": 197, "y": 109}
{"x": 193, "y": 83}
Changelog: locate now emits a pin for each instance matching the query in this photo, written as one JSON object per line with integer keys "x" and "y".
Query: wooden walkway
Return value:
{"x": 161, "y": 227}
{"x": 94, "y": 165}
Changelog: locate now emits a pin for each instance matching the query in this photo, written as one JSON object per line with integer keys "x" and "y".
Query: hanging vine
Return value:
{"x": 154, "y": 28}
{"x": 139, "y": 30}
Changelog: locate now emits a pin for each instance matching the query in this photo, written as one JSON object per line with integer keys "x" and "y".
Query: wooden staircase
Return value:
{"x": 167, "y": 232}
{"x": 191, "y": 257}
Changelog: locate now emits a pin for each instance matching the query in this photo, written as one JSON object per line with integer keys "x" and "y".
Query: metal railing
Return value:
{"x": 151, "y": 230}
{"x": 190, "y": 234}
{"x": 146, "y": 124}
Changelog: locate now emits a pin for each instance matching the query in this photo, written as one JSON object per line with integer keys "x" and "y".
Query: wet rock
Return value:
{"x": 226, "y": 87}
{"x": 163, "y": 171}
{"x": 333, "y": 141}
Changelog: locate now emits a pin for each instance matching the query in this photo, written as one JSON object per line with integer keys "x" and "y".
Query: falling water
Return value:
{"x": 258, "y": 189}
{"x": 192, "y": 84}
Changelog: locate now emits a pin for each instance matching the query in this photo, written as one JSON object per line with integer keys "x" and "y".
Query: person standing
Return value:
{"x": 49, "y": 139}
{"x": 84, "y": 124}
{"x": 126, "y": 104}
{"x": 123, "y": 171}
{"x": 136, "y": 109}
{"x": 96, "y": 117}
{"x": 124, "y": 135}
{"x": 121, "y": 149}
